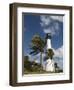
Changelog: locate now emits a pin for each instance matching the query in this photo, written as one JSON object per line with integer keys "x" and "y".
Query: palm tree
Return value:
{"x": 50, "y": 53}
{"x": 37, "y": 46}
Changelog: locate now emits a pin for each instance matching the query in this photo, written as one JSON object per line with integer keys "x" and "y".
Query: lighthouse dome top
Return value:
{"x": 48, "y": 36}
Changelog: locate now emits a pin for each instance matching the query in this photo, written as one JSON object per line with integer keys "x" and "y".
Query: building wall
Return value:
{"x": 48, "y": 43}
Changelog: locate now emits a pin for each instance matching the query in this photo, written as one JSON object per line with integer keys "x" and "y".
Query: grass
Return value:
{"x": 41, "y": 72}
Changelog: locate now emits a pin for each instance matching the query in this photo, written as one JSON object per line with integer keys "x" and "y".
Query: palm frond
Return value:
{"x": 34, "y": 52}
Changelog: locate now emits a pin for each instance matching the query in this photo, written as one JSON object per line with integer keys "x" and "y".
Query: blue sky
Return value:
{"x": 41, "y": 24}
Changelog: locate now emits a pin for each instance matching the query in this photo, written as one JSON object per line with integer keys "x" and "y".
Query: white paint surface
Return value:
{"x": 50, "y": 65}
{"x": 48, "y": 44}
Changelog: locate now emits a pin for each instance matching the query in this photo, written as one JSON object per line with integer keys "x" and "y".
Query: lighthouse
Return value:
{"x": 49, "y": 66}
{"x": 48, "y": 41}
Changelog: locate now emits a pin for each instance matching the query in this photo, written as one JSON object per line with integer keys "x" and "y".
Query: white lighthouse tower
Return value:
{"x": 48, "y": 41}
{"x": 49, "y": 62}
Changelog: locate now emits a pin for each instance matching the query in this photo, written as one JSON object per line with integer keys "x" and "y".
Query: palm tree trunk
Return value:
{"x": 41, "y": 61}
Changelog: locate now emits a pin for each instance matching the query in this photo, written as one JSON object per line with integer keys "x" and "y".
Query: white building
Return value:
{"x": 50, "y": 65}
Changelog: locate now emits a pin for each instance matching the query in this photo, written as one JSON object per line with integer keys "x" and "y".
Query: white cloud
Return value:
{"x": 50, "y": 24}
{"x": 58, "y": 57}
{"x": 59, "y": 18}
{"x": 45, "y": 20}
{"x": 58, "y": 52}
{"x": 50, "y": 30}
{"x": 47, "y": 30}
